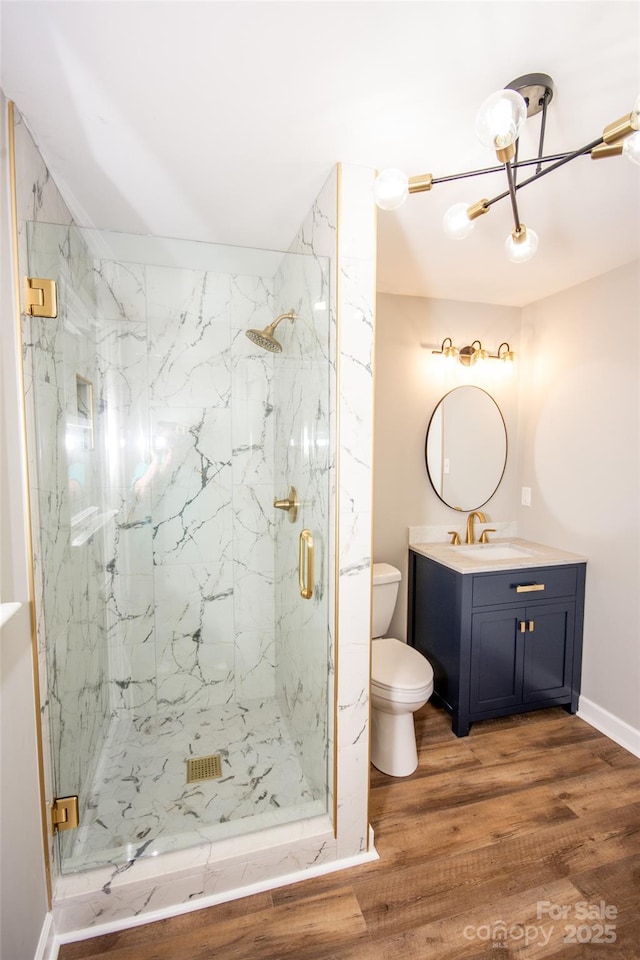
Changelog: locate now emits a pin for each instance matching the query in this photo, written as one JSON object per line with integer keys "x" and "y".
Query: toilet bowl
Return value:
{"x": 401, "y": 683}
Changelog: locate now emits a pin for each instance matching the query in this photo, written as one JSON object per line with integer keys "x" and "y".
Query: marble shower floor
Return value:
{"x": 141, "y": 805}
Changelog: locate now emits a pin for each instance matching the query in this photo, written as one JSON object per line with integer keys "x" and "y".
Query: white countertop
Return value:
{"x": 539, "y": 555}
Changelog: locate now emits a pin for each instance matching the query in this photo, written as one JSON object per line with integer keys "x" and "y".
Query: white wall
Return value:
{"x": 23, "y": 898}
{"x": 409, "y": 383}
{"x": 580, "y": 454}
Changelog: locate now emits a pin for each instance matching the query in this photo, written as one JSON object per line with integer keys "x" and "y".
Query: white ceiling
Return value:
{"x": 220, "y": 121}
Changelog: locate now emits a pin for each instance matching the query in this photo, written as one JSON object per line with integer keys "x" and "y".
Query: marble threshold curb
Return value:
{"x": 50, "y": 941}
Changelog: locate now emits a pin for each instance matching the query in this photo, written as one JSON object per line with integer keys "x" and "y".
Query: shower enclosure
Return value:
{"x": 174, "y": 601}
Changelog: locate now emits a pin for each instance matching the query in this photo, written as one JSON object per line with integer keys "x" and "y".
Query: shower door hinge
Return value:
{"x": 64, "y": 813}
{"x": 41, "y": 297}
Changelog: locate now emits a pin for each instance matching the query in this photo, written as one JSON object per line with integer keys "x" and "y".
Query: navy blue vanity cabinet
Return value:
{"x": 499, "y": 642}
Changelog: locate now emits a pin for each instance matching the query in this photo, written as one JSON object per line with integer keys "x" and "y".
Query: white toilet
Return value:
{"x": 401, "y": 683}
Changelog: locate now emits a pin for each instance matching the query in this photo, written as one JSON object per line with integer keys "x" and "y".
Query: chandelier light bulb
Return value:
{"x": 500, "y": 119}
{"x": 521, "y": 246}
{"x": 631, "y": 147}
{"x": 391, "y": 189}
{"x": 456, "y": 223}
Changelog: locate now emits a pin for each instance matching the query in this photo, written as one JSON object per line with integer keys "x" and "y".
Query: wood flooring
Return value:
{"x": 521, "y": 840}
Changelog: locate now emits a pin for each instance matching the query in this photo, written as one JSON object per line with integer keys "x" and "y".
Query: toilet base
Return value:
{"x": 393, "y": 743}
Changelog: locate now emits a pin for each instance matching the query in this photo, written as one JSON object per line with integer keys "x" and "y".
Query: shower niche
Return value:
{"x": 175, "y": 629}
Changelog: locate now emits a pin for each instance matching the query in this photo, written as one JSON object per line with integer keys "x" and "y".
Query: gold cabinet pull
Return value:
{"x": 305, "y": 564}
{"x": 531, "y": 626}
{"x": 523, "y": 627}
{"x": 529, "y": 587}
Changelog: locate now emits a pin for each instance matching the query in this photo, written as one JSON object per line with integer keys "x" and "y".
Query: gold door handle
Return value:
{"x": 529, "y": 587}
{"x": 291, "y": 504}
{"x": 305, "y": 564}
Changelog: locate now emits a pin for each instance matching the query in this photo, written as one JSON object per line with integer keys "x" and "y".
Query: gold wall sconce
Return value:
{"x": 470, "y": 354}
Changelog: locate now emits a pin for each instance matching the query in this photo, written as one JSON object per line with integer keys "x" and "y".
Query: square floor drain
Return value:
{"x": 204, "y": 768}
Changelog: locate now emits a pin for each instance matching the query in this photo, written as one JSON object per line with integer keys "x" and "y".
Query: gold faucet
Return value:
{"x": 481, "y": 518}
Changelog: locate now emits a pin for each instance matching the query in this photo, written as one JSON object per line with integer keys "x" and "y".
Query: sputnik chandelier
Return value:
{"x": 499, "y": 123}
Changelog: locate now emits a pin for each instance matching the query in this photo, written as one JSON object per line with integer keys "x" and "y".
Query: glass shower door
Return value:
{"x": 169, "y": 605}
{"x": 71, "y": 517}
{"x": 302, "y": 460}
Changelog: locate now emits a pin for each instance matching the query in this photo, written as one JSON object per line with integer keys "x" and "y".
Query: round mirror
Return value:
{"x": 466, "y": 448}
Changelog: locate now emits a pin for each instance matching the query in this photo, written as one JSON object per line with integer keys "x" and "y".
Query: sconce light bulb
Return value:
{"x": 391, "y": 189}
{"x": 631, "y": 147}
{"x": 500, "y": 119}
{"x": 456, "y": 223}
{"x": 521, "y": 246}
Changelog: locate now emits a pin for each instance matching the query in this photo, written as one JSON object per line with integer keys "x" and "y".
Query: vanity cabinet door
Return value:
{"x": 520, "y": 655}
{"x": 548, "y": 652}
{"x": 497, "y": 652}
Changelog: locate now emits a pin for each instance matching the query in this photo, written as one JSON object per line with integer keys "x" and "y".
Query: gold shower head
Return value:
{"x": 265, "y": 338}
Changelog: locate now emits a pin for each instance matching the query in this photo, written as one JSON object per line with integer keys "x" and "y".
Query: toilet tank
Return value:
{"x": 386, "y": 581}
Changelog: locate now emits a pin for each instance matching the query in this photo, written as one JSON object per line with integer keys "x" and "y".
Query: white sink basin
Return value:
{"x": 494, "y": 551}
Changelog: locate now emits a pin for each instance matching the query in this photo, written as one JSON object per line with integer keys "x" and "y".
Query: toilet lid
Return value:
{"x": 396, "y": 665}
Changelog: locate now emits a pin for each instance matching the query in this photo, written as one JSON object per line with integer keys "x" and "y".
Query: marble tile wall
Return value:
{"x": 188, "y": 399}
{"x": 252, "y": 427}
{"x": 195, "y": 458}
{"x": 166, "y": 363}
{"x": 356, "y": 256}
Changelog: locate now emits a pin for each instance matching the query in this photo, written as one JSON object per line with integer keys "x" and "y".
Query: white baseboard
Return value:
{"x": 126, "y": 923}
{"x": 47, "y": 948}
{"x": 612, "y": 727}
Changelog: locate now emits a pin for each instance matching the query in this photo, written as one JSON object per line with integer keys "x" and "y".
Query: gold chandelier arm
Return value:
{"x": 607, "y": 150}
{"x": 420, "y": 183}
{"x": 482, "y": 206}
{"x": 620, "y": 129}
